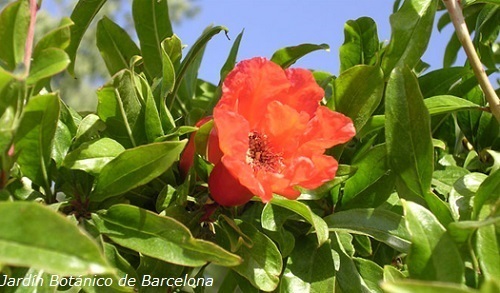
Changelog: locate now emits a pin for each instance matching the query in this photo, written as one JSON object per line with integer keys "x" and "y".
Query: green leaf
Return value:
{"x": 34, "y": 137}
{"x": 439, "y": 82}
{"x": 152, "y": 23}
{"x": 152, "y": 122}
{"x": 231, "y": 58}
{"x": 26, "y": 243}
{"x": 193, "y": 60}
{"x": 408, "y": 133}
{"x": 262, "y": 262}
{"x": 411, "y": 29}
{"x": 47, "y": 63}
{"x": 88, "y": 129}
{"x": 287, "y": 56}
{"x": 115, "y": 45}
{"x": 305, "y": 212}
{"x": 433, "y": 254}
{"x": 14, "y": 21}
{"x": 488, "y": 251}
{"x": 371, "y": 167}
{"x": 467, "y": 3}
{"x": 416, "y": 286}
{"x": 92, "y": 156}
{"x": 168, "y": 73}
{"x": 447, "y": 104}
{"x": 361, "y": 43}
{"x": 82, "y": 15}
{"x": 308, "y": 268}
{"x": 487, "y": 196}
{"x": 13, "y": 94}
{"x": 358, "y": 92}
{"x": 382, "y": 225}
{"x": 122, "y": 110}
{"x": 272, "y": 220}
{"x": 57, "y": 38}
{"x": 462, "y": 195}
{"x": 135, "y": 167}
{"x": 62, "y": 143}
{"x": 159, "y": 237}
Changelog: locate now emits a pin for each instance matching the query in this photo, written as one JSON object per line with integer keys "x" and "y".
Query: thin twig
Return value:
{"x": 31, "y": 36}
{"x": 455, "y": 11}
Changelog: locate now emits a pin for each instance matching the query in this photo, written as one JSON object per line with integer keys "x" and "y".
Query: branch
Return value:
{"x": 31, "y": 35}
{"x": 455, "y": 11}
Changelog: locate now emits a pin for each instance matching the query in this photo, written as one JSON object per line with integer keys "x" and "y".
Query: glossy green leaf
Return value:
{"x": 61, "y": 144}
{"x": 358, "y": 92}
{"x": 287, "y": 56}
{"x": 488, "y": 251}
{"x": 462, "y": 195}
{"x": 487, "y": 196}
{"x": 14, "y": 21}
{"x": 122, "y": 110}
{"x": 447, "y": 104}
{"x": 433, "y": 255}
{"x": 308, "y": 268}
{"x": 408, "y": 133}
{"x": 361, "y": 43}
{"x": 416, "y": 286}
{"x": 13, "y": 93}
{"x": 305, "y": 212}
{"x": 115, "y": 45}
{"x": 34, "y": 137}
{"x": 382, "y": 225}
{"x": 152, "y": 122}
{"x": 371, "y": 167}
{"x": 82, "y": 15}
{"x": 152, "y": 23}
{"x": 467, "y": 3}
{"x": 168, "y": 71}
{"x": 391, "y": 274}
{"x": 135, "y": 167}
{"x": 411, "y": 30}
{"x": 88, "y": 129}
{"x": 443, "y": 180}
{"x": 272, "y": 220}
{"x": 92, "y": 156}
{"x": 57, "y": 38}
{"x": 262, "y": 262}
{"x": 26, "y": 243}
{"x": 47, "y": 63}
{"x": 159, "y": 237}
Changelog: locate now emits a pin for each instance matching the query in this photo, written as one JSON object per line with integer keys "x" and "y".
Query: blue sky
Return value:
{"x": 273, "y": 24}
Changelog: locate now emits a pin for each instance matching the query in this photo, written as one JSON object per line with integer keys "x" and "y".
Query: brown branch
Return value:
{"x": 455, "y": 11}
{"x": 31, "y": 35}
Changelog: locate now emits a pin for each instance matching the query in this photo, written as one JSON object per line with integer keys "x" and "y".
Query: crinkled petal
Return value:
{"x": 283, "y": 126}
{"x": 232, "y": 130}
{"x": 246, "y": 176}
{"x": 325, "y": 130}
{"x": 311, "y": 172}
{"x": 304, "y": 93}
{"x": 250, "y": 86}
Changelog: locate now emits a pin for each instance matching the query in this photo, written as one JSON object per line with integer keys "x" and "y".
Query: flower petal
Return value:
{"x": 250, "y": 86}
{"x": 283, "y": 126}
{"x": 232, "y": 130}
{"x": 304, "y": 93}
{"x": 312, "y": 172}
{"x": 328, "y": 128}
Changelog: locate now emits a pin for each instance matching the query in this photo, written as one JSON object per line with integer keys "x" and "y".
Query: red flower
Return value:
{"x": 272, "y": 133}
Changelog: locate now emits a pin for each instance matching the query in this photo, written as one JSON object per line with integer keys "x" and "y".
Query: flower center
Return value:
{"x": 261, "y": 156}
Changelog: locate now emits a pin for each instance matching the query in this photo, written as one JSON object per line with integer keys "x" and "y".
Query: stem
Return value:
{"x": 455, "y": 11}
{"x": 31, "y": 35}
